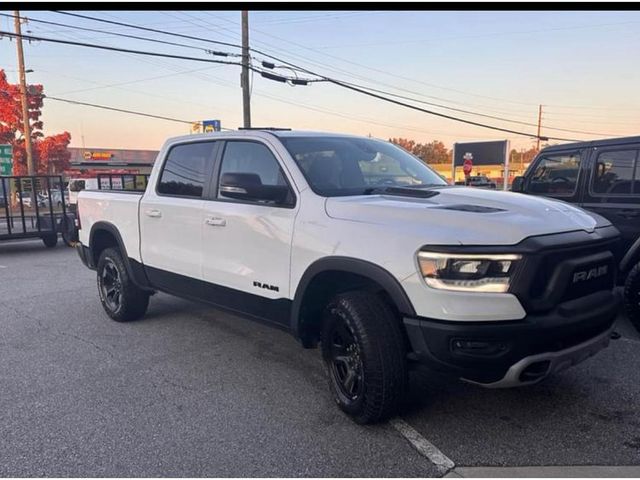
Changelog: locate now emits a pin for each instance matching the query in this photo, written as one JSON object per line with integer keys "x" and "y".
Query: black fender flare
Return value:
{"x": 134, "y": 269}
{"x": 350, "y": 265}
{"x": 631, "y": 257}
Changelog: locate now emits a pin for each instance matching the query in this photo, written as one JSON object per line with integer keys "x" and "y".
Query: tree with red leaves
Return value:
{"x": 50, "y": 154}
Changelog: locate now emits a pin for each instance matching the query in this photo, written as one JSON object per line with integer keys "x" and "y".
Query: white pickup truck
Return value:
{"x": 355, "y": 245}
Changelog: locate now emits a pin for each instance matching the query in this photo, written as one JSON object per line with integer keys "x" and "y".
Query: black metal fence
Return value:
{"x": 34, "y": 206}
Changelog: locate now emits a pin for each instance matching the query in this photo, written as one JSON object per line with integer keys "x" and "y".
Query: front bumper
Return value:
{"x": 510, "y": 353}
{"x": 534, "y": 368}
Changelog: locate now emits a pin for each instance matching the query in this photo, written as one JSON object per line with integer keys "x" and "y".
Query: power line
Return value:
{"x": 122, "y": 110}
{"x": 114, "y": 109}
{"x": 443, "y": 115}
{"x": 333, "y": 67}
{"x": 458, "y": 37}
{"x": 314, "y": 18}
{"x": 384, "y": 72}
{"x": 165, "y": 64}
{"x": 118, "y": 49}
{"x": 116, "y": 85}
{"x": 391, "y": 74}
{"x": 366, "y": 120}
{"x": 276, "y": 58}
{"x": 125, "y": 35}
{"x": 354, "y": 87}
{"x": 148, "y": 29}
{"x": 529, "y": 124}
{"x": 295, "y": 81}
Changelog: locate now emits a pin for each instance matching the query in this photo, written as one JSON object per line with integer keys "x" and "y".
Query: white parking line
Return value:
{"x": 423, "y": 446}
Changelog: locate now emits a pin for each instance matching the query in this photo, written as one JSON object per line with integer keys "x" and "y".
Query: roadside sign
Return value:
{"x": 6, "y": 160}
{"x": 211, "y": 126}
{"x": 467, "y": 165}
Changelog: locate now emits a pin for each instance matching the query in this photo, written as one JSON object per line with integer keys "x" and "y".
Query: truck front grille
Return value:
{"x": 554, "y": 276}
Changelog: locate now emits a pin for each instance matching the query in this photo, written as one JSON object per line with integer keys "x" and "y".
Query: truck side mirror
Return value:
{"x": 518, "y": 185}
{"x": 249, "y": 187}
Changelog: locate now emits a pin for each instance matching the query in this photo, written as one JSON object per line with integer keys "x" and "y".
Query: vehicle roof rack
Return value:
{"x": 264, "y": 128}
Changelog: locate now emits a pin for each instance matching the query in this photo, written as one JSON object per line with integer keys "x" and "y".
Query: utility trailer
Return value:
{"x": 34, "y": 206}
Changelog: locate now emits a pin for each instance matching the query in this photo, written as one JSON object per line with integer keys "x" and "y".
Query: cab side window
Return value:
{"x": 614, "y": 173}
{"x": 251, "y": 168}
{"x": 185, "y": 170}
{"x": 556, "y": 174}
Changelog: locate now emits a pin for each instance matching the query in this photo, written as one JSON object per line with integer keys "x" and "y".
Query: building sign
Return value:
{"x": 102, "y": 156}
{"x": 211, "y": 126}
{"x": 481, "y": 153}
{"x": 470, "y": 155}
{"x": 6, "y": 160}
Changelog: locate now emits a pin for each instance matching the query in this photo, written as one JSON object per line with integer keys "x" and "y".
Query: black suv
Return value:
{"x": 602, "y": 176}
{"x": 480, "y": 181}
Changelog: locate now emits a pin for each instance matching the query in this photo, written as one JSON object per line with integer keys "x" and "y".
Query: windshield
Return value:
{"x": 336, "y": 166}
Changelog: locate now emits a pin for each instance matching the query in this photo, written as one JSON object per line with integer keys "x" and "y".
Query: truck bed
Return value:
{"x": 120, "y": 208}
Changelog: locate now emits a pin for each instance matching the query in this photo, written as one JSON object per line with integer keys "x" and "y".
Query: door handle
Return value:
{"x": 215, "y": 221}
{"x": 153, "y": 213}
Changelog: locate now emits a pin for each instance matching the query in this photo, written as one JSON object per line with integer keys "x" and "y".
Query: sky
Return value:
{"x": 581, "y": 66}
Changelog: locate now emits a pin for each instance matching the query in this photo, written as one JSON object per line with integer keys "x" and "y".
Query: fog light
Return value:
{"x": 467, "y": 346}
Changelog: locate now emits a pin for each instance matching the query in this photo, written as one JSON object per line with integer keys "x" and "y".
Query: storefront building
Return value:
{"x": 89, "y": 162}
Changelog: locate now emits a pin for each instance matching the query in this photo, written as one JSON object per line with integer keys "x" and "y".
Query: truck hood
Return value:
{"x": 469, "y": 216}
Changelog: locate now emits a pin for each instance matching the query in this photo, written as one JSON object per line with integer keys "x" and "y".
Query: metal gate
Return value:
{"x": 35, "y": 206}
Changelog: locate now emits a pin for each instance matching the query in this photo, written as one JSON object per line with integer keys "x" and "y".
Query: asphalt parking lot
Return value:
{"x": 191, "y": 391}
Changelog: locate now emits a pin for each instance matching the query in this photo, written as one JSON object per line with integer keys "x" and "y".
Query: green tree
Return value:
{"x": 520, "y": 158}
{"x": 433, "y": 152}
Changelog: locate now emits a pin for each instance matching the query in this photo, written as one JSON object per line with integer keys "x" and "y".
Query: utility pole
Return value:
{"x": 23, "y": 93}
{"x": 539, "y": 127}
{"x": 244, "y": 76}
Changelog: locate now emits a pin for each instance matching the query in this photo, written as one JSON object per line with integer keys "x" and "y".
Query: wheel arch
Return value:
{"x": 331, "y": 275}
{"x": 631, "y": 257}
{"x": 106, "y": 235}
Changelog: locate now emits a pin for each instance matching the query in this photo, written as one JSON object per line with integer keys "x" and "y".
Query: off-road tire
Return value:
{"x": 632, "y": 296}
{"x": 132, "y": 301}
{"x": 50, "y": 240}
{"x": 381, "y": 349}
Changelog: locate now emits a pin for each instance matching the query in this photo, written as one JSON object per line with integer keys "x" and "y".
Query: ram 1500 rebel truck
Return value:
{"x": 357, "y": 246}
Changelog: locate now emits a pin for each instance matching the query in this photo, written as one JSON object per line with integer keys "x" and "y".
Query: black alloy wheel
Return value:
{"x": 121, "y": 298}
{"x": 345, "y": 361}
{"x": 111, "y": 286}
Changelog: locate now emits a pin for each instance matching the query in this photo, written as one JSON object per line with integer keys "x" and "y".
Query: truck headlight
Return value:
{"x": 467, "y": 272}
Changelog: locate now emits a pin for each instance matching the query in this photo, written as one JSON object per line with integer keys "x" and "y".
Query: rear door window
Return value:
{"x": 614, "y": 173}
{"x": 185, "y": 171}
